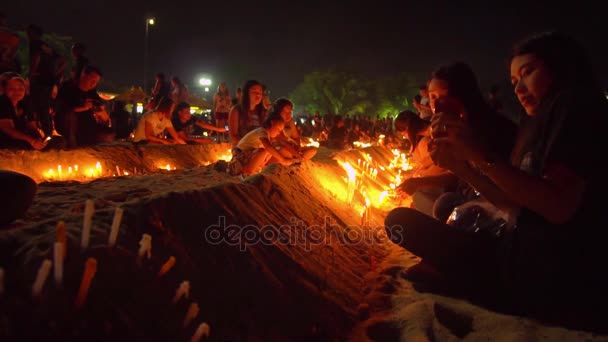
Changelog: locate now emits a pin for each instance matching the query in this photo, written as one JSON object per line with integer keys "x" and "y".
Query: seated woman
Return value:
{"x": 185, "y": 123}
{"x": 551, "y": 251}
{"x": 288, "y": 143}
{"x": 255, "y": 149}
{"x": 249, "y": 113}
{"x": 153, "y": 126}
{"x": 18, "y": 128}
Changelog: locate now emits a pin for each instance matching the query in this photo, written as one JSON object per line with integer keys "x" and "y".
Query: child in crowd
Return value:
{"x": 255, "y": 149}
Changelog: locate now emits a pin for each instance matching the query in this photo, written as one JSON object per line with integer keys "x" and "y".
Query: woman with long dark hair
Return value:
{"x": 221, "y": 107}
{"x": 249, "y": 113}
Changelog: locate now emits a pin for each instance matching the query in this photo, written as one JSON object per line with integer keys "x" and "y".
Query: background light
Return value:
{"x": 151, "y": 21}
{"x": 206, "y": 88}
{"x": 205, "y": 82}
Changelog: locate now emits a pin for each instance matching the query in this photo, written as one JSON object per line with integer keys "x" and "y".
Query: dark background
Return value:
{"x": 279, "y": 42}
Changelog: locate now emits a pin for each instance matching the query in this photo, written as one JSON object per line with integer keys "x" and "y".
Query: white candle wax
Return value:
{"x": 43, "y": 273}
{"x": 202, "y": 330}
{"x": 58, "y": 262}
{"x": 191, "y": 314}
{"x": 115, "y": 227}
{"x": 86, "y": 226}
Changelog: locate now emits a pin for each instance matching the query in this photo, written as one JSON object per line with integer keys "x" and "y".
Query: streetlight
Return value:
{"x": 205, "y": 82}
{"x": 149, "y": 22}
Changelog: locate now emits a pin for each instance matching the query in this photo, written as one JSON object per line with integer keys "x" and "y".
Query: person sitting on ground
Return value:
{"x": 255, "y": 149}
{"x": 288, "y": 143}
{"x": 185, "y": 124}
{"x": 546, "y": 251}
{"x": 80, "y": 113}
{"x": 336, "y": 138}
{"x": 18, "y": 128}
{"x": 249, "y": 113}
{"x": 153, "y": 126}
{"x": 121, "y": 121}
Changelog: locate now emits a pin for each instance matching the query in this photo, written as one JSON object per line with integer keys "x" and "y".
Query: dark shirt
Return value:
{"x": 189, "y": 127}
{"x": 20, "y": 118}
{"x": 68, "y": 98}
{"x": 337, "y": 137}
{"x": 80, "y": 63}
{"x": 120, "y": 123}
{"x": 45, "y": 73}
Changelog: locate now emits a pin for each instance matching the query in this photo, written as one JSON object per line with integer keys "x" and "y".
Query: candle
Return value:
{"x": 58, "y": 262}
{"x": 167, "y": 266}
{"x": 98, "y": 168}
{"x": 62, "y": 238}
{"x": 115, "y": 227}
{"x": 117, "y": 170}
{"x": 90, "y": 268}
{"x": 86, "y": 226}
{"x": 69, "y": 171}
{"x": 182, "y": 291}
{"x": 1, "y": 281}
{"x": 75, "y": 168}
{"x": 202, "y": 330}
{"x": 359, "y": 163}
{"x": 43, "y": 273}
{"x": 191, "y": 314}
{"x": 145, "y": 246}
{"x": 59, "y": 171}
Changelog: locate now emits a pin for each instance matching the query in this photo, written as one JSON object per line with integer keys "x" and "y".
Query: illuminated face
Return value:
{"x": 531, "y": 80}
{"x": 222, "y": 86}
{"x": 276, "y": 129}
{"x": 184, "y": 115}
{"x": 89, "y": 81}
{"x": 286, "y": 113}
{"x": 437, "y": 89}
{"x": 256, "y": 93}
{"x": 15, "y": 90}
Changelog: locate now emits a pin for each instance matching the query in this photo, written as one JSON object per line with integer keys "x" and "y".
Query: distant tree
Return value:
{"x": 347, "y": 93}
{"x": 61, "y": 44}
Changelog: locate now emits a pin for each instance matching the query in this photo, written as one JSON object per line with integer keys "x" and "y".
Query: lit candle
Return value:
{"x": 43, "y": 273}
{"x": 69, "y": 171}
{"x": 98, "y": 168}
{"x": 115, "y": 227}
{"x": 90, "y": 268}
{"x": 75, "y": 168}
{"x": 89, "y": 210}
{"x": 202, "y": 330}
{"x": 191, "y": 314}
{"x": 58, "y": 262}
{"x": 59, "y": 171}
{"x": 117, "y": 170}
{"x": 1, "y": 281}
{"x": 359, "y": 163}
{"x": 167, "y": 266}
{"x": 182, "y": 291}
{"x": 62, "y": 237}
{"x": 145, "y": 247}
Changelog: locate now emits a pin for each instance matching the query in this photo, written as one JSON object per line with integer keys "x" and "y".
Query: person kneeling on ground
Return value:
{"x": 255, "y": 149}
{"x": 185, "y": 123}
{"x": 18, "y": 129}
{"x": 288, "y": 142}
{"x": 153, "y": 126}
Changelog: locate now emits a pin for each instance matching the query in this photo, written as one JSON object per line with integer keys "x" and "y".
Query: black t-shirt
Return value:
{"x": 568, "y": 134}
{"x": 45, "y": 74}
{"x": 68, "y": 98}
{"x": 20, "y": 118}
{"x": 80, "y": 63}
{"x": 189, "y": 127}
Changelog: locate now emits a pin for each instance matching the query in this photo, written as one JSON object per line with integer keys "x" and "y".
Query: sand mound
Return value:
{"x": 278, "y": 256}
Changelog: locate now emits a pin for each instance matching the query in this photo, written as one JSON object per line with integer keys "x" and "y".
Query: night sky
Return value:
{"x": 278, "y": 43}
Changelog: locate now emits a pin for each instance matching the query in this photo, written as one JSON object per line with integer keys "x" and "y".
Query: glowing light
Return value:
{"x": 139, "y": 108}
{"x": 151, "y": 21}
{"x": 205, "y": 82}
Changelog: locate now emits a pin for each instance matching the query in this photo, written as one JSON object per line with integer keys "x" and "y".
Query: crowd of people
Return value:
{"x": 511, "y": 208}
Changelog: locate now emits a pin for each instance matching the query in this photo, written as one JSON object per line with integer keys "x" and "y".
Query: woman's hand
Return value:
{"x": 453, "y": 132}
{"x": 446, "y": 156}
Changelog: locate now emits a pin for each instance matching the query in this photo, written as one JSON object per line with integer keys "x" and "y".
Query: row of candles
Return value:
{"x": 90, "y": 267}
{"x": 368, "y": 168}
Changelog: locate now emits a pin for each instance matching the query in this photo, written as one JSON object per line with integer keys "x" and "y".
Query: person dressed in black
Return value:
{"x": 161, "y": 89}
{"x": 121, "y": 120}
{"x": 46, "y": 67}
{"x": 81, "y": 116}
{"x": 546, "y": 251}
{"x": 338, "y": 134}
{"x": 186, "y": 125}
{"x": 80, "y": 59}
{"x": 18, "y": 129}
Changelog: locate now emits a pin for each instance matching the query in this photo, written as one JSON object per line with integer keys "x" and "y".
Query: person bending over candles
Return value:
{"x": 153, "y": 126}
{"x": 288, "y": 143}
{"x": 185, "y": 125}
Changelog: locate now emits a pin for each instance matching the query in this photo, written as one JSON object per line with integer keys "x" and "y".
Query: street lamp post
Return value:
{"x": 149, "y": 22}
